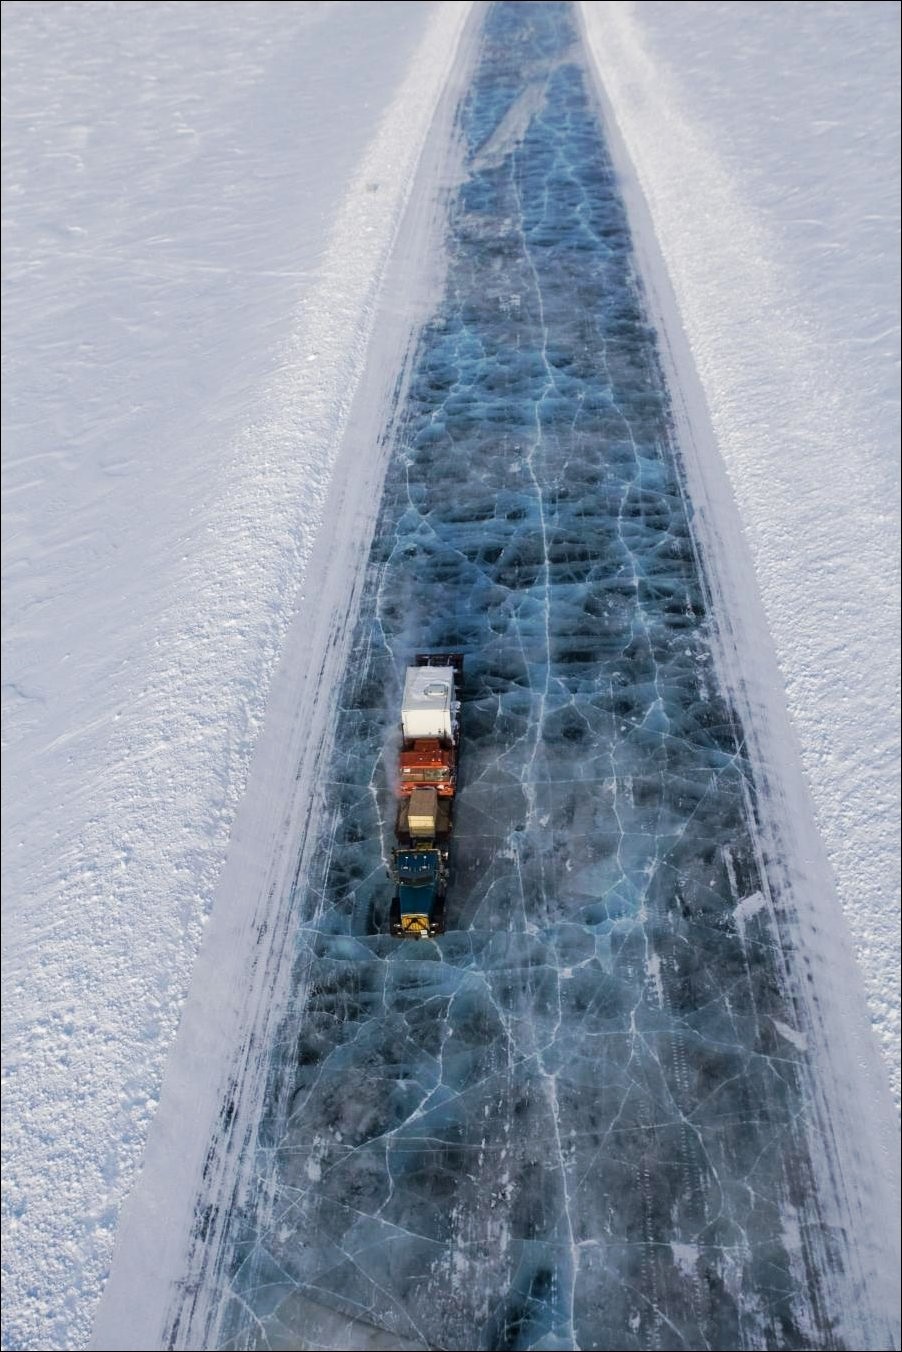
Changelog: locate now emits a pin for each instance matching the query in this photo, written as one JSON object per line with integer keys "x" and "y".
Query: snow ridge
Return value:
{"x": 802, "y": 405}
{"x": 184, "y": 508}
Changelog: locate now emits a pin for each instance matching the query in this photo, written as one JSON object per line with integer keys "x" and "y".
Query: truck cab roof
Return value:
{"x": 416, "y": 866}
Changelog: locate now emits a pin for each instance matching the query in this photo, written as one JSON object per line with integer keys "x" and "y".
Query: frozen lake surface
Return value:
{"x": 220, "y": 230}
{"x": 584, "y": 1117}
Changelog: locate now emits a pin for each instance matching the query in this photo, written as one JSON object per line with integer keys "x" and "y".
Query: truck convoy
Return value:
{"x": 426, "y": 784}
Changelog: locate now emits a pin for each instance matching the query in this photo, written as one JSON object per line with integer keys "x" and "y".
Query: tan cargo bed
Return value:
{"x": 419, "y": 826}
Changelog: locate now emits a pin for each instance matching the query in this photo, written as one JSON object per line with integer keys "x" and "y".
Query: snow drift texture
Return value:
{"x": 201, "y": 199}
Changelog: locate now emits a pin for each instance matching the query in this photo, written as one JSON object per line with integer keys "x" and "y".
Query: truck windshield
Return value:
{"x": 417, "y": 879}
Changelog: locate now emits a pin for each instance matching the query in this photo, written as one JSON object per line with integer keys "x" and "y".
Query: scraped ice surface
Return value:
{"x": 582, "y": 1118}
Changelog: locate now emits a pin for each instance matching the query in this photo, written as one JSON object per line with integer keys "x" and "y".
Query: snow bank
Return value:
{"x": 201, "y": 201}
{"x": 765, "y": 140}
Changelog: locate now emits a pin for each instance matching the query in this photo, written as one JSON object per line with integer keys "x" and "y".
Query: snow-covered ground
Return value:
{"x": 765, "y": 138}
{"x": 201, "y": 200}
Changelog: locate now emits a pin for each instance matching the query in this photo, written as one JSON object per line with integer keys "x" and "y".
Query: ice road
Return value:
{"x": 593, "y": 1113}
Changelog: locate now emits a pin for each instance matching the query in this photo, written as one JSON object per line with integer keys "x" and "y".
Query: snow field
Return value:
{"x": 191, "y": 269}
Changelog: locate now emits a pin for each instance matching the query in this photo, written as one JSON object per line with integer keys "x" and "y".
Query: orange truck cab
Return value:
{"x": 425, "y": 761}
